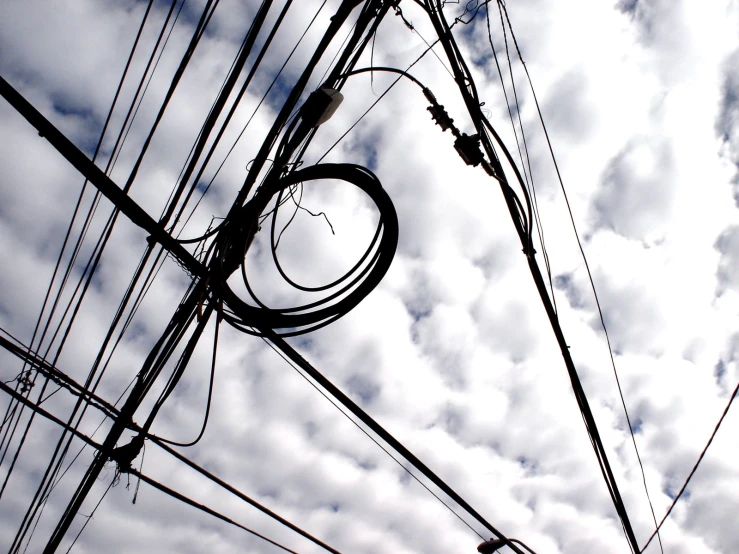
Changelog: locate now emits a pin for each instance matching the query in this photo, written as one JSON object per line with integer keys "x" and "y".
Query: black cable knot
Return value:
{"x": 124, "y": 455}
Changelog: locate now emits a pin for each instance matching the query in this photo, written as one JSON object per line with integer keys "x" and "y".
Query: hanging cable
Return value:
{"x": 380, "y": 431}
{"x": 210, "y": 394}
{"x": 342, "y": 294}
{"x": 535, "y": 208}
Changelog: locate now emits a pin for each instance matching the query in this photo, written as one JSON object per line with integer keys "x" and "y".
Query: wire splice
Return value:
{"x": 468, "y": 148}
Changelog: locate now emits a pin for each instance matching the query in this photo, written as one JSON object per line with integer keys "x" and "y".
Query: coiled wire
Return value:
{"x": 228, "y": 254}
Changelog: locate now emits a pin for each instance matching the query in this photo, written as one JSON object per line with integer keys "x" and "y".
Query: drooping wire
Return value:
{"x": 377, "y": 101}
{"x": 210, "y": 393}
{"x": 502, "y": 5}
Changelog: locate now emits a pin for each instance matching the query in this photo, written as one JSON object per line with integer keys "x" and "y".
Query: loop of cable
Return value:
{"x": 339, "y": 296}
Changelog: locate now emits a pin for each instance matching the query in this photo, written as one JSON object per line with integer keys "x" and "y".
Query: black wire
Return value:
{"x": 373, "y": 439}
{"x": 535, "y": 206}
{"x": 468, "y": 90}
{"x": 88, "y": 518}
{"x": 243, "y": 130}
{"x": 695, "y": 467}
{"x": 587, "y": 267}
{"x": 402, "y": 74}
{"x": 91, "y": 263}
{"x": 79, "y": 200}
{"x": 182, "y": 498}
{"x": 64, "y": 243}
{"x": 188, "y": 54}
{"x": 220, "y": 102}
{"x": 210, "y": 476}
{"x": 161, "y": 443}
{"x": 348, "y": 289}
{"x": 144, "y": 83}
{"x": 374, "y": 68}
{"x": 57, "y": 480}
{"x": 22, "y": 441}
{"x": 365, "y": 418}
{"x": 210, "y": 394}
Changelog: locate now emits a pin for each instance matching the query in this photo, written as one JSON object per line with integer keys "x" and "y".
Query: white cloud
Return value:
{"x": 452, "y": 352}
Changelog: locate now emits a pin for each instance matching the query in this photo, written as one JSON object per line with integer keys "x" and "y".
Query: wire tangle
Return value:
{"x": 238, "y": 235}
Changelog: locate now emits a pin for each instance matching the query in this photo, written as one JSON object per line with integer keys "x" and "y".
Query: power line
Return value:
{"x": 162, "y": 444}
{"x": 695, "y": 468}
{"x": 467, "y": 87}
{"x": 297, "y": 131}
{"x": 203, "y": 508}
{"x": 502, "y": 6}
{"x": 365, "y": 418}
{"x": 373, "y": 439}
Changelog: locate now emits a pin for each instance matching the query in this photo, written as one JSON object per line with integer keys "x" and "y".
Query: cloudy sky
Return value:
{"x": 452, "y": 352}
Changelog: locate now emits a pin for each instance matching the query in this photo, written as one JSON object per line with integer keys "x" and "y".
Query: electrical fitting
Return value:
{"x": 320, "y": 106}
{"x": 438, "y": 113}
{"x": 468, "y": 148}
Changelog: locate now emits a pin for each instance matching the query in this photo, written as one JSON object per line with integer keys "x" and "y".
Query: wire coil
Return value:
{"x": 340, "y": 296}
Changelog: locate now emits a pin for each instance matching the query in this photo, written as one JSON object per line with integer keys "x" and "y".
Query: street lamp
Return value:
{"x": 491, "y": 546}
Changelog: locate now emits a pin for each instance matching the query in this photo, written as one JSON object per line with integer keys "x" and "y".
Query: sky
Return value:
{"x": 452, "y": 352}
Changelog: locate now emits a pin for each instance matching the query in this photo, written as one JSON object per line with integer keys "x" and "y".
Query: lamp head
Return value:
{"x": 488, "y": 547}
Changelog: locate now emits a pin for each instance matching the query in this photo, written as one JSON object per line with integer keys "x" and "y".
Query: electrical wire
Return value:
{"x": 220, "y": 102}
{"x": 223, "y": 484}
{"x": 695, "y": 467}
{"x": 403, "y": 73}
{"x": 210, "y": 395}
{"x": 198, "y": 33}
{"x": 61, "y": 288}
{"x": 227, "y": 253}
{"x": 367, "y": 420}
{"x": 587, "y": 267}
{"x": 87, "y": 518}
{"x": 373, "y": 439}
{"x": 161, "y": 443}
{"x": 532, "y": 189}
{"x": 165, "y": 349}
{"x": 243, "y": 130}
{"x": 203, "y": 508}
{"x": 87, "y": 273}
{"x": 468, "y": 90}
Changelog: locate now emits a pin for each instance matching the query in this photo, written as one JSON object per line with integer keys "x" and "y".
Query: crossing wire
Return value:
{"x": 502, "y": 7}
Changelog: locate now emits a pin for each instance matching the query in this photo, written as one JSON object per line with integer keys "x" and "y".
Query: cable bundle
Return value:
{"x": 237, "y": 236}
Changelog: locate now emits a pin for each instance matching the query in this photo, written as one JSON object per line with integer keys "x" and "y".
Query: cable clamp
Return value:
{"x": 124, "y": 455}
{"x": 468, "y": 148}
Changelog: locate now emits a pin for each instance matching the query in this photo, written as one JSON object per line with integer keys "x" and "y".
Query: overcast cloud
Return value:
{"x": 452, "y": 352}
